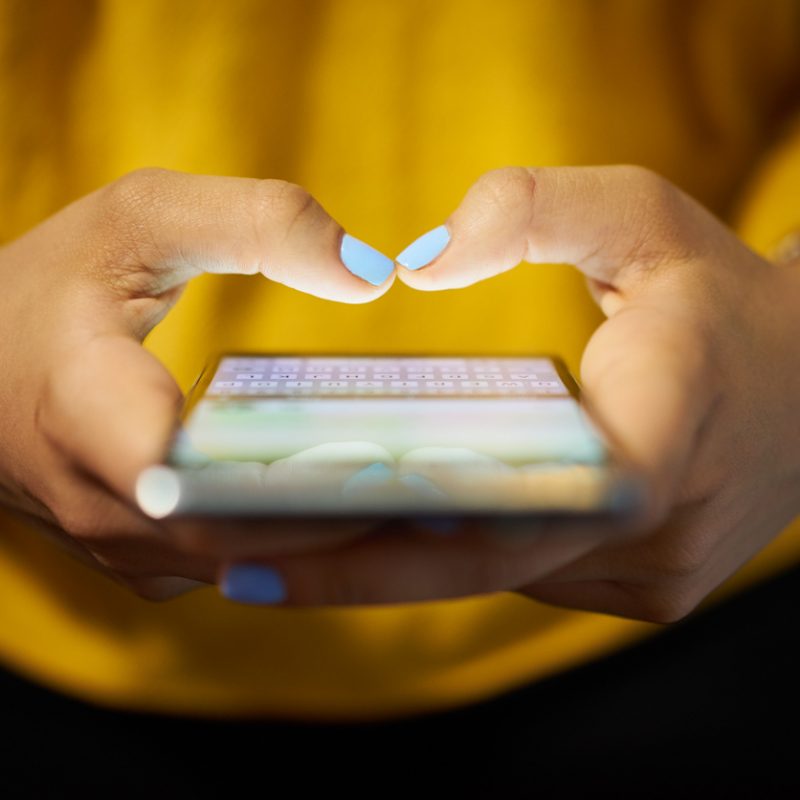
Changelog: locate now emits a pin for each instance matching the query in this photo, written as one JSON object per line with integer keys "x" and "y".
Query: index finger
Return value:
{"x": 607, "y": 221}
{"x": 155, "y": 229}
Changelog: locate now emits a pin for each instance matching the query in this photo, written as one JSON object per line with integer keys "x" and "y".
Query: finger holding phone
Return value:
{"x": 80, "y": 293}
{"x": 692, "y": 372}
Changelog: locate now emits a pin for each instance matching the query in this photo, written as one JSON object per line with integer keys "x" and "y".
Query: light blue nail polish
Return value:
{"x": 364, "y": 261}
{"x": 371, "y": 477}
{"x": 253, "y": 583}
{"x": 421, "y": 252}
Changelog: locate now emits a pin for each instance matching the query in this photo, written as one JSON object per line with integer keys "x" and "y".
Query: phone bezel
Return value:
{"x": 618, "y": 462}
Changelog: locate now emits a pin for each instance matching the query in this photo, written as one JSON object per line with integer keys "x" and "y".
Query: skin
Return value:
{"x": 691, "y": 371}
{"x": 81, "y": 292}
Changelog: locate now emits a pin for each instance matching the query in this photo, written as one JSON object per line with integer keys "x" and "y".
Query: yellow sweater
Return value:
{"x": 386, "y": 110}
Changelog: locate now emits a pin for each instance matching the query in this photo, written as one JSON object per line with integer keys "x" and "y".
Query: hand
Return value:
{"x": 694, "y": 371}
{"x": 84, "y": 408}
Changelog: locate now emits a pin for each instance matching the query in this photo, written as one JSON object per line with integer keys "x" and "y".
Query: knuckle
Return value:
{"x": 508, "y": 188}
{"x": 125, "y": 210}
{"x": 686, "y": 559}
{"x": 683, "y": 563}
{"x": 643, "y": 179}
{"x": 672, "y": 583}
{"x": 90, "y": 519}
{"x": 282, "y": 202}
{"x": 276, "y": 209}
{"x": 655, "y": 208}
{"x": 643, "y": 183}
{"x": 665, "y": 605}
{"x": 670, "y": 560}
{"x": 78, "y": 521}
{"x": 128, "y": 198}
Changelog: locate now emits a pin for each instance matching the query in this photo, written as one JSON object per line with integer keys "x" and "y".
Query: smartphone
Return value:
{"x": 391, "y": 436}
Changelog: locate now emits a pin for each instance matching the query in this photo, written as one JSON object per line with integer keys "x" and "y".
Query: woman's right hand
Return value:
{"x": 84, "y": 407}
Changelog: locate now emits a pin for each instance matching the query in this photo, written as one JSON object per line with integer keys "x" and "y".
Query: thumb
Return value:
{"x": 111, "y": 407}
{"x": 646, "y": 376}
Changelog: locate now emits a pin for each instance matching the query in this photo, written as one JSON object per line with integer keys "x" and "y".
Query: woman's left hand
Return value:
{"x": 695, "y": 371}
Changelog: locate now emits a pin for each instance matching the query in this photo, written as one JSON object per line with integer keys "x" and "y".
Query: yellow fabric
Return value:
{"x": 386, "y": 110}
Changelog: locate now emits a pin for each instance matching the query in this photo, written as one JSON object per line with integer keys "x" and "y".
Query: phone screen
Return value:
{"x": 333, "y": 434}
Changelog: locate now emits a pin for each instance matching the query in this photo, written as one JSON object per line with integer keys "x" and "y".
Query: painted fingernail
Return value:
{"x": 254, "y": 584}
{"x": 365, "y": 262}
{"x": 421, "y": 252}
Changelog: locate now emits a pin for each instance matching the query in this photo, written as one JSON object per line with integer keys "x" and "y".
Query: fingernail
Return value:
{"x": 365, "y": 262}
{"x": 421, "y": 252}
{"x": 253, "y": 583}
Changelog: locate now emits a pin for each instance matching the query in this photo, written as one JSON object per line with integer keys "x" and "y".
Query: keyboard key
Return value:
{"x": 396, "y": 376}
